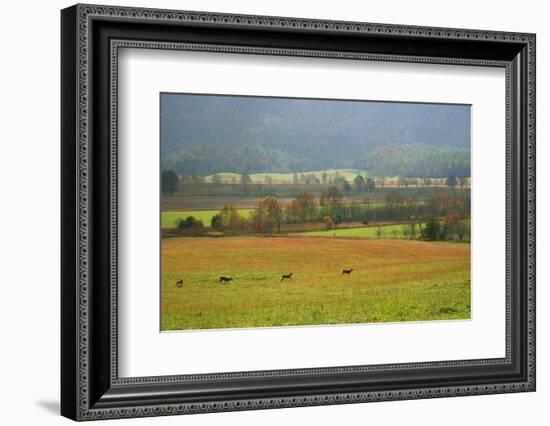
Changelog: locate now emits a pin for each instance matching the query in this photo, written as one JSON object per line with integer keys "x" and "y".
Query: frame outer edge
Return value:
{"x": 69, "y": 191}
{"x": 83, "y": 13}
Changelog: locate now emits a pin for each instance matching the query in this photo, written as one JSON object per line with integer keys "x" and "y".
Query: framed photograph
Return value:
{"x": 263, "y": 212}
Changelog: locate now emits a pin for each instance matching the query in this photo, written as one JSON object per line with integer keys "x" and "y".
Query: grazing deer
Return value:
{"x": 179, "y": 283}
{"x": 286, "y": 277}
{"x": 347, "y": 271}
{"x": 225, "y": 280}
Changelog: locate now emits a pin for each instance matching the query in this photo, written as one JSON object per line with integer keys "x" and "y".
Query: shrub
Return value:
{"x": 216, "y": 222}
{"x": 192, "y": 225}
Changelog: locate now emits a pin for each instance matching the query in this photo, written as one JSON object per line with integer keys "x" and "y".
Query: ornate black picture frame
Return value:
{"x": 91, "y": 37}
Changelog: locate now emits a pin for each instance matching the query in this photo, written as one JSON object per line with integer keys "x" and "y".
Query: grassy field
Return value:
{"x": 393, "y": 280}
{"x": 169, "y": 219}
{"x": 389, "y": 231}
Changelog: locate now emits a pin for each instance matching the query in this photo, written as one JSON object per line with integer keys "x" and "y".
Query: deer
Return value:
{"x": 347, "y": 271}
{"x": 179, "y": 283}
{"x": 286, "y": 277}
{"x": 225, "y": 280}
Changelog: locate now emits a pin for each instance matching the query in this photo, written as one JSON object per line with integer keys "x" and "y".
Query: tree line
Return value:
{"x": 244, "y": 185}
{"x": 444, "y": 214}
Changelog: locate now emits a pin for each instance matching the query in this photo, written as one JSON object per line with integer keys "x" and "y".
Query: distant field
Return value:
{"x": 183, "y": 201}
{"x": 169, "y": 219}
{"x": 349, "y": 174}
{"x": 393, "y": 280}
{"x": 388, "y": 231}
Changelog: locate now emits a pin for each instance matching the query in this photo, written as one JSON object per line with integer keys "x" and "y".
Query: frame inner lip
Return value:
{"x": 115, "y": 45}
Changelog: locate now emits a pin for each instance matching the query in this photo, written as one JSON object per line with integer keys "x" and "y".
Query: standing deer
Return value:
{"x": 179, "y": 283}
{"x": 286, "y": 277}
{"x": 225, "y": 280}
{"x": 347, "y": 271}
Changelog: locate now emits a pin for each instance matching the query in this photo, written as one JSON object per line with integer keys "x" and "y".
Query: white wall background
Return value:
{"x": 29, "y": 213}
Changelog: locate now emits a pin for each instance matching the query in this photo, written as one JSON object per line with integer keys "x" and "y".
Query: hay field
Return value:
{"x": 392, "y": 280}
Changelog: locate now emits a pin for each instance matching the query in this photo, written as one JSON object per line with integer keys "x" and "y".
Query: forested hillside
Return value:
{"x": 205, "y": 135}
{"x": 416, "y": 160}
